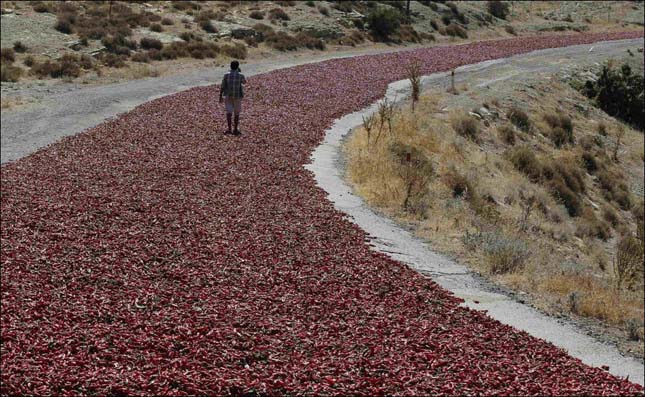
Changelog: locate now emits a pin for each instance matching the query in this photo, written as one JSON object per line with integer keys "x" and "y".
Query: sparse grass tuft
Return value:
{"x": 506, "y": 134}
{"x": 465, "y": 126}
{"x": 519, "y": 118}
{"x": 525, "y": 161}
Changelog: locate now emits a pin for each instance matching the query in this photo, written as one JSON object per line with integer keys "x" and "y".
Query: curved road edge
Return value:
{"x": 391, "y": 239}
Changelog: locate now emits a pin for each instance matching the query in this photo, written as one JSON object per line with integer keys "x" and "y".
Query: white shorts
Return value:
{"x": 233, "y": 105}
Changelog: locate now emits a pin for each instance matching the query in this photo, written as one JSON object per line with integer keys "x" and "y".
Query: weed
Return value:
{"x": 510, "y": 30}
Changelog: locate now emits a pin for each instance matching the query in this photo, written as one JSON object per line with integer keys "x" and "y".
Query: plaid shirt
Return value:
{"x": 232, "y": 84}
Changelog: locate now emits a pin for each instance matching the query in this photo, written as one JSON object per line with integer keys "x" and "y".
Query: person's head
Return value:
{"x": 235, "y": 65}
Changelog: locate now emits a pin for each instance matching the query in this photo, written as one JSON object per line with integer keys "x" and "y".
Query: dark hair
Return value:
{"x": 235, "y": 65}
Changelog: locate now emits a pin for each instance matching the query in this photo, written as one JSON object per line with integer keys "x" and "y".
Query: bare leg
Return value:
{"x": 237, "y": 122}
{"x": 228, "y": 121}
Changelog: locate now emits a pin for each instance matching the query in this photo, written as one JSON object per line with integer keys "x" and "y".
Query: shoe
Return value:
{"x": 237, "y": 132}
{"x": 227, "y": 132}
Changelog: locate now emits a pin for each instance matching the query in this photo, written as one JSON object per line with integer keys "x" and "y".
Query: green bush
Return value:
{"x": 384, "y": 22}
{"x": 619, "y": 92}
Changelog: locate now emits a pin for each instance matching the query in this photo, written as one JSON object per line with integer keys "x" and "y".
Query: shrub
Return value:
{"x": 503, "y": 254}
{"x": 518, "y": 117}
{"x": 569, "y": 172}
{"x": 434, "y": 24}
{"x": 566, "y": 196}
{"x": 185, "y": 5}
{"x": 455, "y": 30}
{"x": 189, "y": 36}
{"x": 7, "y": 55}
{"x": 167, "y": 21}
{"x": 310, "y": 3}
{"x": 10, "y": 73}
{"x": 524, "y": 160}
{"x": 40, "y": 6}
{"x": 113, "y": 60}
{"x": 118, "y": 44}
{"x": 610, "y": 215}
{"x": 63, "y": 26}
{"x": 148, "y": 43}
{"x": 323, "y": 10}
{"x": 200, "y": 50}
{"x": 506, "y": 134}
{"x": 416, "y": 171}
{"x": 155, "y": 27}
{"x": 29, "y": 61}
{"x": 142, "y": 57}
{"x": 19, "y": 47}
{"x": 497, "y": 8}
{"x": 619, "y": 92}
{"x": 560, "y": 137}
{"x": 466, "y": 126}
{"x": 591, "y": 226}
{"x": 237, "y": 51}
{"x": 628, "y": 262}
{"x": 256, "y": 15}
{"x": 590, "y": 162}
{"x": 614, "y": 188}
{"x": 407, "y": 33}
{"x": 278, "y": 14}
{"x": 384, "y": 22}
{"x": 460, "y": 186}
{"x": 510, "y": 30}
{"x": 306, "y": 40}
{"x": 207, "y": 26}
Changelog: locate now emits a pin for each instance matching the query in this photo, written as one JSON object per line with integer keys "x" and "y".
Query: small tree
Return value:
{"x": 416, "y": 171}
{"x": 414, "y": 75}
{"x": 368, "y": 124}
{"x": 384, "y": 22}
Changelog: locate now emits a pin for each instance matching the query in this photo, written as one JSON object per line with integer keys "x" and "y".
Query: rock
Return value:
{"x": 475, "y": 115}
{"x": 483, "y": 111}
{"x": 75, "y": 45}
{"x": 6, "y": 11}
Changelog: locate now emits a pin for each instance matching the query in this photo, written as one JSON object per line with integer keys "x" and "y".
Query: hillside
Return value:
{"x": 522, "y": 178}
{"x": 47, "y": 43}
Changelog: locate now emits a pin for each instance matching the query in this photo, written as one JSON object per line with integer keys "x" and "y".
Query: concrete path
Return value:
{"x": 327, "y": 164}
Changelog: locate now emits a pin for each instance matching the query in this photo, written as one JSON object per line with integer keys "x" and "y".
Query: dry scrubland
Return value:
{"x": 535, "y": 191}
{"x": 100, "y": 41}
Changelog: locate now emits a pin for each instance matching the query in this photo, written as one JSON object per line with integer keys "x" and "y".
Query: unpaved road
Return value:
{"x": 69, "y": 110}
{"x": 327, "y": 164}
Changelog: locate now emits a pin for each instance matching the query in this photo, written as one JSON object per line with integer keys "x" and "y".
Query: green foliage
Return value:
{"x": 619, "y": 92}
{"x": 384, "y": 22}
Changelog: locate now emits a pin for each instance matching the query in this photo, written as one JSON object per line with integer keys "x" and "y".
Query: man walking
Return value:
{"x": 231, "y": 89}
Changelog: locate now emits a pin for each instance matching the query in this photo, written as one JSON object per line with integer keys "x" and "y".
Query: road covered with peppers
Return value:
{"x": 152, "y": 254}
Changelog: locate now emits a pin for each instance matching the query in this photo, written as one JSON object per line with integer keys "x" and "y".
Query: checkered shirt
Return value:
{"x": 232, "y": 84}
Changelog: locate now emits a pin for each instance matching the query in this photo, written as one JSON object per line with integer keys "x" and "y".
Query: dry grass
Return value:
{"x": 490, "y": 206}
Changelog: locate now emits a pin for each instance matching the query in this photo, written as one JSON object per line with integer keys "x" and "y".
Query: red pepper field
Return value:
{"x": 154, "y": 255}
